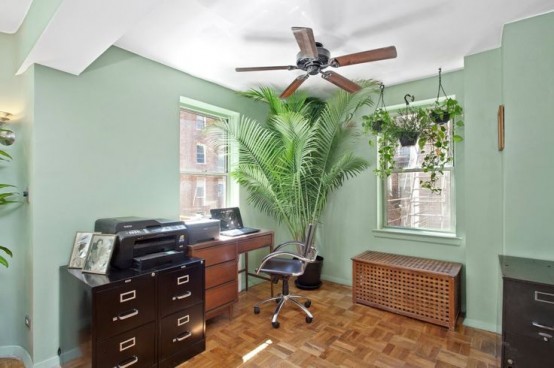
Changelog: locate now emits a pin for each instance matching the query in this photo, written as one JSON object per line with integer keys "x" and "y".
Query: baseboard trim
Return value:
{"x": 481, "y": 325}
{"x": 18, "y": 352}
{"x": 53, "y": 362}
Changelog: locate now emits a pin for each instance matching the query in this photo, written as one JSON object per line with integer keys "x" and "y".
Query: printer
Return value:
{"x": 144, "y": 243}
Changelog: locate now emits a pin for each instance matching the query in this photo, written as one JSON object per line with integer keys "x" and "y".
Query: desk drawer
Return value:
{"x": 221, "y": 273}
{"x": 221, "y": 295}
{"x": 124, "y": 307}
{"x": 136, "y": 349}
{"x": 180, "y": 288}
{"x": 217, "y": 254}
{"x": 245, "y": 245}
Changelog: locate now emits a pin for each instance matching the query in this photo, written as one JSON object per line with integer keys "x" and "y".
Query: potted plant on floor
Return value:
{"x": 290, "y": 163}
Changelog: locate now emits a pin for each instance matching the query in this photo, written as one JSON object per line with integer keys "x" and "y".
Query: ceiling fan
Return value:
{"x": 313, "y": 58}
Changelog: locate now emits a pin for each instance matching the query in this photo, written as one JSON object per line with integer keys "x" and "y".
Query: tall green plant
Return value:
{"x": 290, "y": 163}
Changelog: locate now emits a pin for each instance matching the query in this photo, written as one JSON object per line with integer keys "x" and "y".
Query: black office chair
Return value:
{"x": 280, "y": 268}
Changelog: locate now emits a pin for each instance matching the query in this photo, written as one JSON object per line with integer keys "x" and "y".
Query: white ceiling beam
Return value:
{"x": 81, "y": 30}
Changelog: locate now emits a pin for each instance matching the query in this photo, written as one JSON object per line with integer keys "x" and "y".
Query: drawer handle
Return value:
{"x": 181, "y": 321}
{"x": 536, "y": 324}
{"x": 130, "y": 314}
{"x": 125, "y": 297}
{"x": 182, "y": 280}
{"x": 183, "y": 336}
{"x": 546, "y": 337}
{"x": 124, "y": 345}
{"x": 182, "y": 296}
{"x": 129, "y": 362}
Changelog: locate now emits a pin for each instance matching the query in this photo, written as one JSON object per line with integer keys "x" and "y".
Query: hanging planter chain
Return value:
{"x": 440, "y": 86}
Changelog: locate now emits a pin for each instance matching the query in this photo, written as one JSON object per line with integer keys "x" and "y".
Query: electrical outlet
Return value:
{"x": 28, "y": 321}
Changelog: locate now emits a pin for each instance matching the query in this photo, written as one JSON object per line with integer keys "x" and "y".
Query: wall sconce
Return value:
{"x": 7, "y": 137}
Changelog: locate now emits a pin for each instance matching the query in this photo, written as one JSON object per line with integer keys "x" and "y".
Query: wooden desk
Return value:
{"x": 221, "y": 262}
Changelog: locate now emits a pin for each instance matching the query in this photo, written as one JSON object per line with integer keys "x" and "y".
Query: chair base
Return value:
{"x": 282, "y": 299}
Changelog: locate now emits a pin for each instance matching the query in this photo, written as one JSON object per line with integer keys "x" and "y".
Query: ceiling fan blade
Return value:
{"x": 340, "y": 81}
{"x": 261, "y": 68}
{"x": 364, "y": 57}
{"x": 294, "y": 86}
{"x": 306, "y": 42}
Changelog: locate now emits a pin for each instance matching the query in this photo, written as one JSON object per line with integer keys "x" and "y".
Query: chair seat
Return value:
{"x": 283, "y": 267}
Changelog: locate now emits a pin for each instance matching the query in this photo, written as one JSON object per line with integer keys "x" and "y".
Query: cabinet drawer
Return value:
{"x": 217, "y": 254}
{"x": 526, "y": 304}
{"x": 256, "y": 242}
{"x": 181, "y": 329}
{"x": 124, "y": 307}
{"x": 221, "y": 295}
{"x": 133, "y": 349}
{"x": 520, "y": 351}
{"x": 220, "y": 274}
{"x": 180, "y": 288}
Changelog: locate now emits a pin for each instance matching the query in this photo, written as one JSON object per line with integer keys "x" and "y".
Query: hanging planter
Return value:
{"x": 447, "y": 109}
{"x": 380, "y": 118}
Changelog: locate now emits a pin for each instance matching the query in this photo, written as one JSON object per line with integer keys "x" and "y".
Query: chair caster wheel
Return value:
{"x": 308, "y": 304}
{"x": 256, "y": 310}
{"x": 309, "y": 319}
{"x": 275, "y": 324}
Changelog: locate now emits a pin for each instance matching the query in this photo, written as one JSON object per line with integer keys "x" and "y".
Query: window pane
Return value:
{"x": 199, "y": 193}
{"x": 410, "y": 206}
{"x": 211, "y": 160}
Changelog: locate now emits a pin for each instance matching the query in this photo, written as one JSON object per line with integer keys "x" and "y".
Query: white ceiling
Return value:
{"x": 209, "y": 38}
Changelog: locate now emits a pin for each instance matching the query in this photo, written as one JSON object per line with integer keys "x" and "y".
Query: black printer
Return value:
{"x": 144, "y": 243}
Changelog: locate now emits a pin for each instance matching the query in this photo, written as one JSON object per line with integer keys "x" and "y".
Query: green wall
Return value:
{"x": 15, "y": 280}
{"x": 528, "y": 92}
{"x": 105, "y": 144}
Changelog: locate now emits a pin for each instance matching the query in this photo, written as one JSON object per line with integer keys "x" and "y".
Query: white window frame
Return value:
{"x": 412, "y": 234}
{"x": 232, "y": 188}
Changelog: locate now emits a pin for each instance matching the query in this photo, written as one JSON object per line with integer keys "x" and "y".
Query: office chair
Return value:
{"x": 279, "y": 268}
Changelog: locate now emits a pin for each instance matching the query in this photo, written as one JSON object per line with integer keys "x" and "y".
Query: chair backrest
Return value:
{"x": 309, "y": 249}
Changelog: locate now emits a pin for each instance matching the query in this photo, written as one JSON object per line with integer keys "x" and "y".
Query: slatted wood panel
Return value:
{"x": 420, "y": 288}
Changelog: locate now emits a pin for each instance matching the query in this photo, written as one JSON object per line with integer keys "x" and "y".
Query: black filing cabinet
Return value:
{"x": 134, "y": 319}
{"x": 527, "y": 313}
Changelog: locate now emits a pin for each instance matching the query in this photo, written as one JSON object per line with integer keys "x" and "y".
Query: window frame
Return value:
{"x": 449, "y": 236}
{"x": 231, "y": 160}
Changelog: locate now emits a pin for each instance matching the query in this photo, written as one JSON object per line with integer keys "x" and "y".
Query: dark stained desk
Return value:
{"x": 221, "y": 262}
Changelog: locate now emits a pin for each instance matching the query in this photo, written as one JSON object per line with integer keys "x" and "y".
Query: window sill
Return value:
{"x": 419, "y": 236}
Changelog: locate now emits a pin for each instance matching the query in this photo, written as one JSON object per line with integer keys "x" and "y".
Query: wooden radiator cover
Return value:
{"x": 421, "y": 288}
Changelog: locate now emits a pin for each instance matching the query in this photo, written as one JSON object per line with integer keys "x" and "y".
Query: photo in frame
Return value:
{"x": 99, "y": 253}
{"x": 80, "y": 249}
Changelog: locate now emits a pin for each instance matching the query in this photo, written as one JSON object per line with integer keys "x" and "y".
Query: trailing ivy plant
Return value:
{"x": 410, "y": 126}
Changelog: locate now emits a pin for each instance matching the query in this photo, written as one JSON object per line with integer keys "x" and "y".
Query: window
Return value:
{"x": 200, "y": 153}
{"x": 200, "y": 122}
{"x": 406, "y": 205}
{"x": 204, "y": 179}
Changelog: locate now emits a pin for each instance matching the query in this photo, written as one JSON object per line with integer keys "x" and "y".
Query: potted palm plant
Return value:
{"x": 290, "y": 163}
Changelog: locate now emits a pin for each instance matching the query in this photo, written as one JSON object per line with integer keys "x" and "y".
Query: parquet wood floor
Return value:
{"x": 342, "y": 334}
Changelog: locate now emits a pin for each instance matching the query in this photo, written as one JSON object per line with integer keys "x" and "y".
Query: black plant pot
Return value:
{"x": 440, "y": 117}
{"x": 311, "y": 279}
{"x": 408, "y": 138}
{"x": 377, "y": 126}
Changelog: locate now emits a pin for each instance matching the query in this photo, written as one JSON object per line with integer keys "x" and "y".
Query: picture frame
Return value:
{"x": 99, "y": 254}
{"x": 81, "y": 243}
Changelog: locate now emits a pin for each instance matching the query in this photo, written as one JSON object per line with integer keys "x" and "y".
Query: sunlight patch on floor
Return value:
{"x": 258, "y": 349}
